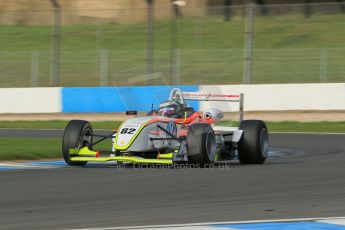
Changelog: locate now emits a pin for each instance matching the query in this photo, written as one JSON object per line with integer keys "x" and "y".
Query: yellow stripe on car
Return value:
{"x": 85, "y": 151}
{"x": 123, "y": 159}
{"x": 165, "y": 156}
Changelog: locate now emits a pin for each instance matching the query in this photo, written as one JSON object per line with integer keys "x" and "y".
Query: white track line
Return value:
{"x": 323, "y": 219}
{"x": 25, "y": 165}
{"x": 17, "y": 165}
{"x": 340, "y": 221}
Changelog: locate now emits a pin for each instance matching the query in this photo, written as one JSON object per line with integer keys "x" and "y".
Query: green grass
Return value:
{"x": 37, "y": 148}
{"x": 291, "y": 126}
{"x": 57, "y": 124}
{"x": 29, "y": 148}
{"x": 294, "y": 126}
{"x": 286, "y": 50}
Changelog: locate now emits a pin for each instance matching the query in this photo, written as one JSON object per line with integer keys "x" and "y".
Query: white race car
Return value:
{"x": 172, "y": 134}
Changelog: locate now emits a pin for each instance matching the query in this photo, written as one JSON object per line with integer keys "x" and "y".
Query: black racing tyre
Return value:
{"x": 253, "y": 146}
{"x": 201, "y": 144}
{"x": 77, "y": 134}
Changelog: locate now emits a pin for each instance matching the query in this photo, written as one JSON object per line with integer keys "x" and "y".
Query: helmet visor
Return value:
{"x": 167, "y": 111}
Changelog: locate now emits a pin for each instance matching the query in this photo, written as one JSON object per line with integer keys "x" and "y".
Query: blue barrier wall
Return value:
{"x": 118, "y": 99}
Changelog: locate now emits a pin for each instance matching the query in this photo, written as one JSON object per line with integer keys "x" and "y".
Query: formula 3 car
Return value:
{"x": 191, "y": 137}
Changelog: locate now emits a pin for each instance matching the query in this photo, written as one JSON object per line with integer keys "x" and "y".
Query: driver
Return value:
{"x": 174, "y": 109}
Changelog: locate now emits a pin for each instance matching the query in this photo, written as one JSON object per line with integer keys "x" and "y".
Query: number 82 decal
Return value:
{"x": 128, "y": 131}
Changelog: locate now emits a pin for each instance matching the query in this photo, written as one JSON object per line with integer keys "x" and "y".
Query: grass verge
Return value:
{"x": 29, "y": 148}
{"x": 36, "y": 148}
{"x": 294, "y": 126}
{"x": 55, "y": 124}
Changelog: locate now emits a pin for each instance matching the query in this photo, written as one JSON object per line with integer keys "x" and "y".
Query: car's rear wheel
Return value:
{"x": 77, "y": 134}
{"x": 253, "y": 146}
{"x": 201, "y": 144}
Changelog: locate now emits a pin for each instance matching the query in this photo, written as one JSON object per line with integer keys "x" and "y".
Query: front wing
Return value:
{"x": 85, "y": 154}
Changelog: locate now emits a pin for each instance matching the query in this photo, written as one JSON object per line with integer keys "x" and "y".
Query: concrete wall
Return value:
{"x": 330, "y": 96}
{"x": 272, "y": 97}
{"x": 117, "y": 99}
{"x": 30, "y": 100}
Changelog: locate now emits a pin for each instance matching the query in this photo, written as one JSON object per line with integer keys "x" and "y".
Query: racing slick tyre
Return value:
{"x": 253, "y": 146}
{"x": 78, "y": 134}
{"x": 201, "y": 144}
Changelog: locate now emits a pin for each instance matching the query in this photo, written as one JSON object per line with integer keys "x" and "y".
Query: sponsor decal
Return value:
{"x": 172, "y": 128}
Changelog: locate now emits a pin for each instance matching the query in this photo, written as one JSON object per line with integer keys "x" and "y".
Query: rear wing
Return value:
{"x": 177, "y": 95}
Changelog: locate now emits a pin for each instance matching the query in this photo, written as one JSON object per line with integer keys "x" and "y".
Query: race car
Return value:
{"x": 172, "y": 134}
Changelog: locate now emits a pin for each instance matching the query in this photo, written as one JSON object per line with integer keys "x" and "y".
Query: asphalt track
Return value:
{"x": 305, "y": 178}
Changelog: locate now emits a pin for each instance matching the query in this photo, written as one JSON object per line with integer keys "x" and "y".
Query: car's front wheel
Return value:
{"x": 77, "y": 134}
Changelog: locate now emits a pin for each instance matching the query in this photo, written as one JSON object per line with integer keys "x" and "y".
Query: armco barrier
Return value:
{"x": 330, "y": 96}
